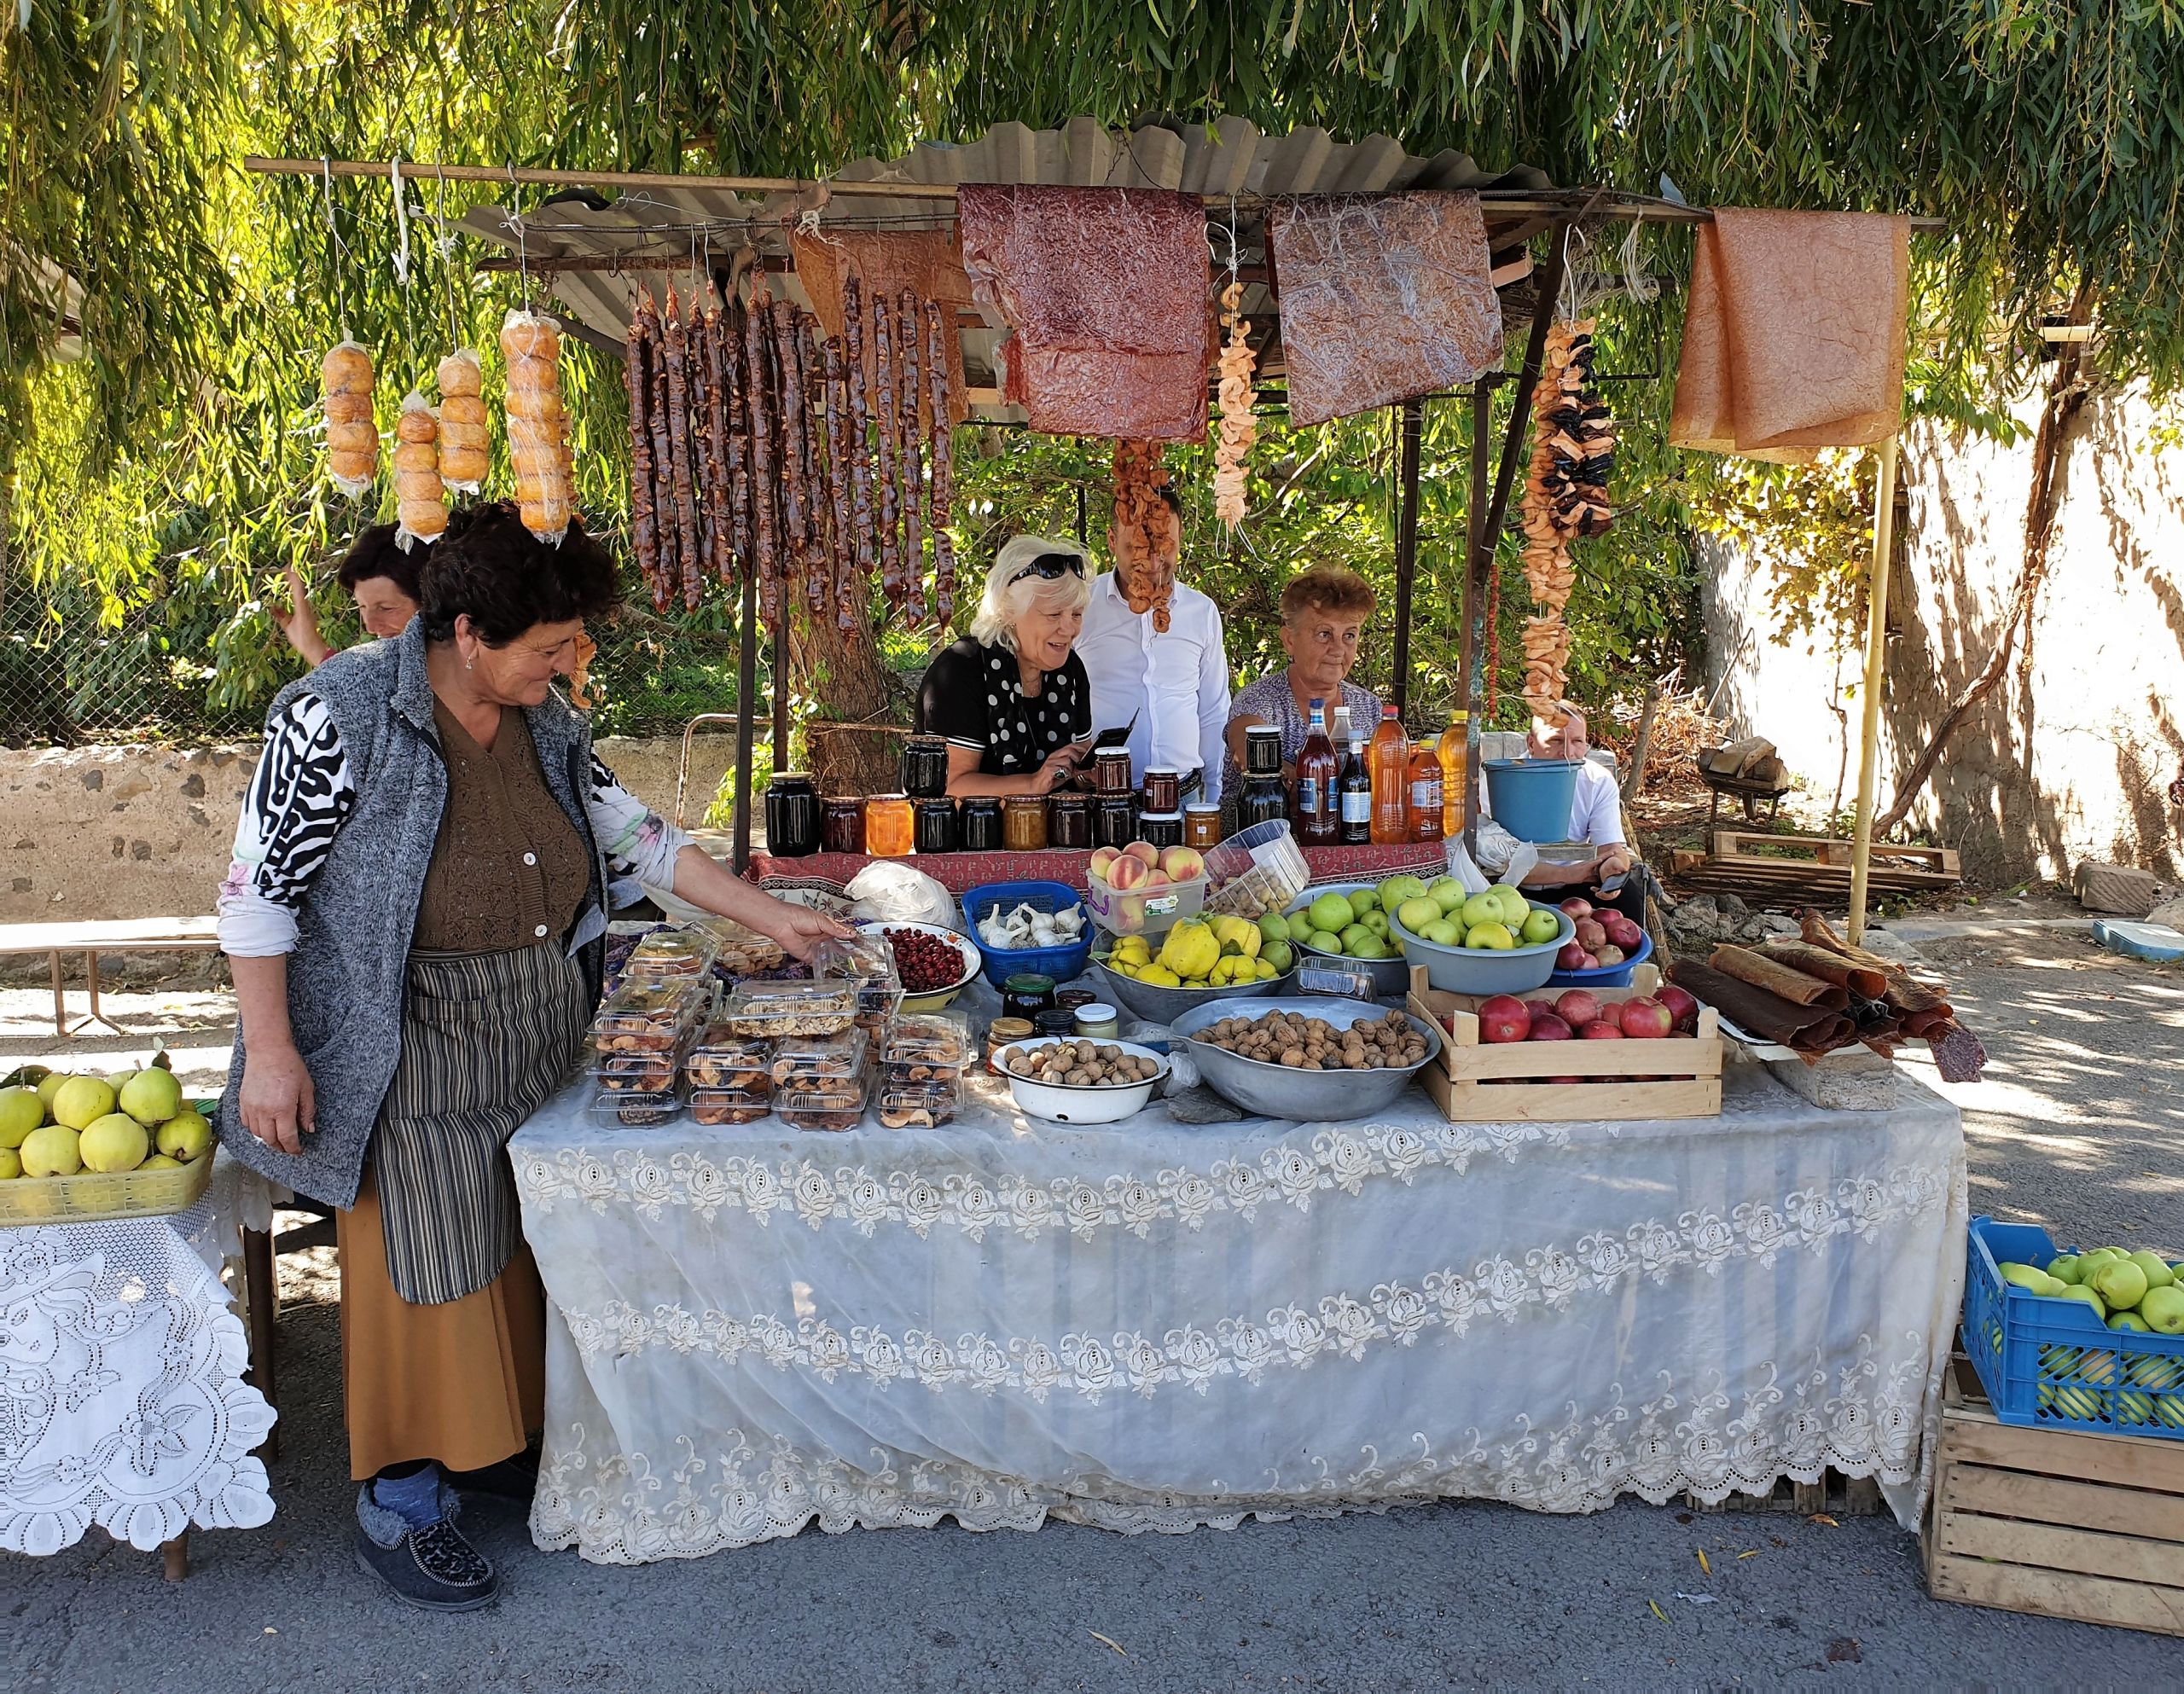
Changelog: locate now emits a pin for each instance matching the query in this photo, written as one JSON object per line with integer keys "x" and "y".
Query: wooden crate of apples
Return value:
{"x": 1647, "y": 1051}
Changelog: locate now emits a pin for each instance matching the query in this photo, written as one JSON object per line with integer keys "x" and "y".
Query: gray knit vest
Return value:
{"x": 347, "y": 974}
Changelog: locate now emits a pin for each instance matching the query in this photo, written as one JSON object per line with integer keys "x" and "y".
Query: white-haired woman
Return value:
{"x": 1011, "y": 698}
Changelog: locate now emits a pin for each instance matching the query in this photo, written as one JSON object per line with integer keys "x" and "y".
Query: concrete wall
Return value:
{"x": 144, "y": 832}
{"x": 2070, "y": 757}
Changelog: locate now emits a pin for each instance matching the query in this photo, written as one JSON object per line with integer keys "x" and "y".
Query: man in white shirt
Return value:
{"x": 1176, "y": 682}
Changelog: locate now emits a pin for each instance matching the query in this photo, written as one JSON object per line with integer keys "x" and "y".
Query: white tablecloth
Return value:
{"x": 1155, "y": 1326}
{"x": 122, "y": 1402}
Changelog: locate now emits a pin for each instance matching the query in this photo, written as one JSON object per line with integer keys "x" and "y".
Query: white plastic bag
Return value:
{"x": 1459, "y": 863}
{"x": 888, "y": 891}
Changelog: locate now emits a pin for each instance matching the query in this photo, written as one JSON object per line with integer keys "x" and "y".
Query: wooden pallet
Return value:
{"x": 2021, "y": 1519}
{"x": 1835, "y": 1493}
{"x": 1755, "y": 851}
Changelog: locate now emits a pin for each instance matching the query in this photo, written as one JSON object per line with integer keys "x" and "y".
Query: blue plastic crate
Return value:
{"x": 1061, "y": 963}
{"x": 2051, "y": 1362}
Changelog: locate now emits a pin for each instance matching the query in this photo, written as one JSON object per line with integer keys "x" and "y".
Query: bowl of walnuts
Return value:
{"x": 1071, "y": 1080}
{"x": 1317, "y": 1061}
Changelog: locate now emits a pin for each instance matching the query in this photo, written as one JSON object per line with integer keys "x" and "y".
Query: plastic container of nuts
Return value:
{"x": 790, "y": 1008}
{"x": 636, "y": 1110}
{"x": 732, "y": 1106}
{"x": 650, "y": 1015}
{"x": 672, "y": 954}
{"x": 924, "y": 1047}
{"x": 917, "y": 1106}
{"x": 720, "y": 1058}
{"x": 743, "y": 951}
{"x": 644, "y": 1071}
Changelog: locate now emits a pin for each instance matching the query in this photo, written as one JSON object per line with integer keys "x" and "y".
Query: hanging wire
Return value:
{"x": 401, "y": 264}
{"x": 343, "y": 257}
{"x": 522, "y": 236}
{"x": 445, "y": 244}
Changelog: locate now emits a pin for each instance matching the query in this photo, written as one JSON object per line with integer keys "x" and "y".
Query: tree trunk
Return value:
{"x": 2066, "y": 394}
{"x": 843, "y": 677}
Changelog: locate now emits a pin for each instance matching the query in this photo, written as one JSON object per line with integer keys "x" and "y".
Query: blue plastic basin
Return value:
{"x": 1531, "y": 798}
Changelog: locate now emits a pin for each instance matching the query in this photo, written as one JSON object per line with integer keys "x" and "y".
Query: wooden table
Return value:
{"x": 958, "y": 871}
{"x": 93, "y": 937}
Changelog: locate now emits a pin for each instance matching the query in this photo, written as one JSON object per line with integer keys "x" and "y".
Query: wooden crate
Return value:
{"x": 1474, "y": 1082}
{"x": 1839, "y": 1495}
{"x": 2021, "y": 1517}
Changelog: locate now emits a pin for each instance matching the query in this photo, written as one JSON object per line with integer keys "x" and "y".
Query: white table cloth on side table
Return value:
{"x": 122, "y": 1402}
{"x": 1151, "y": 1325}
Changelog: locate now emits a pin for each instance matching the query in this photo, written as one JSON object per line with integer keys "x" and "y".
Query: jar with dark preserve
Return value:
{"x": 1163, "y": 830}
{"x": 1163, "y": 790}
{"x": 1264, "y": 800}
{"x": 1111, "y": 770}
{"x": 1026, "y": 995}
{"x": 1069, "y": 820}
{"x": 980, "y": 819}
{"x": 925, "y": 766}
{"x": 841, "y": 824}
{"x": 1068, "y": 1000}
{"x": 889, "y": 826}
{"x": 1024, "y": 822}
{"x": 792, "y": 815}
{"x": 1115, "y": 824}
{"x": 937, "y": 829}
{"x": 1201, "y": 826}
{"x": 1262, "y": 751}
{"x": 1056, "y": 1023}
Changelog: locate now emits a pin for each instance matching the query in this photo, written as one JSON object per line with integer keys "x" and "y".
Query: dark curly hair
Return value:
{"x": 374, "y": 553}
{"x": 490, "y": 566}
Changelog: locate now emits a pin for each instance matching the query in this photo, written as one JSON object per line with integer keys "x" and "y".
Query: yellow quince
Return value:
{"x": 1132, "y": 950}
{"x": 1190, "y": 950}
{"x": 1159, "y": 976}
{"x": 1237, "y": 936}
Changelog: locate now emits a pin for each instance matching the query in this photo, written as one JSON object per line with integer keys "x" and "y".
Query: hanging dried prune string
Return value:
{"x": 644, "y": 533}
{"x": 757, "y": 389}
{"x": 909, "y": 333}
{"x": 860, "y": 456}
{"x": 846, "y": 580}
{"x": 676, "y": 338}
{"x": 943, "y": 468}
{"x": 889, "y": 504}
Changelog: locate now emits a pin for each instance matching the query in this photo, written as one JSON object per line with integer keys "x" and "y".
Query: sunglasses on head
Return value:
{"x": 1051, "y": 567}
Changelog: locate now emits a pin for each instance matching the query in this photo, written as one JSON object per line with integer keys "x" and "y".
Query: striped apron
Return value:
{"x": 486, "y": 1039}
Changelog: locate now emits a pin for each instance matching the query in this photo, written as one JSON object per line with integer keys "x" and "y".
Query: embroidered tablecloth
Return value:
{"x": 1154, "y": 1325}
{"x": 122, "y": 1402}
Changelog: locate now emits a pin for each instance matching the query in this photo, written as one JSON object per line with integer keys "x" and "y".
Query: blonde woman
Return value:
{"x": 1011, "y": 697}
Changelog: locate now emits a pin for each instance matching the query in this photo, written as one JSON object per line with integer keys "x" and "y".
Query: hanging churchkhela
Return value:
{"x": 910, "y": 331}
{"x": 537, "y": 438}
{"x": 1565, "y": 495}
{"x": 944, "y": 464}
{"x": 675, "y": 341}
{"x": 884, "y": 398}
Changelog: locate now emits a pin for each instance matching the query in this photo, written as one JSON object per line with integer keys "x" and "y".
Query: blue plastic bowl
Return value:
{"x": 1061, "y": 963}
{"x": 1608, "y": 975}
{"x": 1530, "y": 798}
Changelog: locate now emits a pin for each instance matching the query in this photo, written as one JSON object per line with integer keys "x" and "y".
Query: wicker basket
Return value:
{"x": 93, "y": 1196}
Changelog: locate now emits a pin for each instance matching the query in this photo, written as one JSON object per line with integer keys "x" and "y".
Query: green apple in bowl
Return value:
{"x": 1540, "y": 926}
{"x": 1447, "y": 893}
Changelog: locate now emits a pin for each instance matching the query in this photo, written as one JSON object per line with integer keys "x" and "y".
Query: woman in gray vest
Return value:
{"x": 415, "y": 911}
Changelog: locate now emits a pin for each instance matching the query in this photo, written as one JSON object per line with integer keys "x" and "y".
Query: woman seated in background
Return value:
{"x": 381, "y": 578}
{"x": 1011, "y": 698}
{"x": 1322, "y": 611}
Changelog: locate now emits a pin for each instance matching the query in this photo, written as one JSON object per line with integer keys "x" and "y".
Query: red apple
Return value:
{"x": 1572, "y": 957}
{"x": 1590, "y": 962}
{"x": 1600, "y": 1030}
{"x": 1577, "y": 908}
{"x": 1547, "y": 1027}
{"x": 1540, "y": 1008}
{"x": 1645, "y": 1018}
{"x": 1576, "y": 1008}
{"x": 1621, "y": 931}
{"x": 1591, "y": 934}
{"x": 1503, "y": 1018}
{"x": 1683, "y": 1010}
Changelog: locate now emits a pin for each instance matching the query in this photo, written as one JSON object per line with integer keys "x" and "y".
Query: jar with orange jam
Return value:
{"x": 890, "y": 826}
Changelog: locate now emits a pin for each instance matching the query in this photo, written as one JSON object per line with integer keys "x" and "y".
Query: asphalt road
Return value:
{"x": 2078, "y": 1126}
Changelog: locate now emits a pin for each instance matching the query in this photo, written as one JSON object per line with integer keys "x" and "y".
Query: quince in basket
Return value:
{"x": 141, "y": 1124}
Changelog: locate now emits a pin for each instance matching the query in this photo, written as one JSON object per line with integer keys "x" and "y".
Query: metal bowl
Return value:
{"x": 1087, "y": 1102}
{"x": 1157, "y": 1004}
{"x": 1307, "y": 1096}
{"x": 1390, "y": 977}
{"x": 937, "y": 998}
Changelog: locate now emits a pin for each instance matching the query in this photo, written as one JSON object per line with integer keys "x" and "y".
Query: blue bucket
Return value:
{"x": 1531, "y": 798}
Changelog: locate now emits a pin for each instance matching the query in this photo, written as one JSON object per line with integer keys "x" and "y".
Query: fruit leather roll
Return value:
{"x": 1809, "y": 1032}
{"x": 1863, "y": 982}
{"x": 1778, "y": 979}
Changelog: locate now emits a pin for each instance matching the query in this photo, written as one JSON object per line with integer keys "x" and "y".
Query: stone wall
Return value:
{"x": 144, "y": 832}
{"x": 2070, "y": 758}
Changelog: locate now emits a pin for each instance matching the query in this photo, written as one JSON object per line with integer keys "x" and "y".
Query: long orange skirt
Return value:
{"x": 464, "y": 1383}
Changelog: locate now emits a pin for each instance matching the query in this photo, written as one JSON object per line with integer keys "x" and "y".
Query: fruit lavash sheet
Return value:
{"x": 1382, "y": 299}
{"x": 1794, "y": 340}
{"x": 1105, "y": 292}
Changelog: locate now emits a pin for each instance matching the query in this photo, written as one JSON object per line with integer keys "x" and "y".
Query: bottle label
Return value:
{"x": 1358, "y": 806}
{"x": 1426, "y": 795}
{"x": 1308, "y": 796}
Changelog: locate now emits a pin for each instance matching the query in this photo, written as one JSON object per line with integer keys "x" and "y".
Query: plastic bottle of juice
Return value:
{"x": 1388, "y": 764}
{"x": 1454, "y": 750}
{"x": 1426, "y": 808}
{"x": 1312, "y": 805}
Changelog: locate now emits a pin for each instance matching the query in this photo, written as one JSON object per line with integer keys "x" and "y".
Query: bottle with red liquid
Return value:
{"x": 1425, "y": 814}
{"x": 1387, "y": 761}
{"x": 1312, "y": 805}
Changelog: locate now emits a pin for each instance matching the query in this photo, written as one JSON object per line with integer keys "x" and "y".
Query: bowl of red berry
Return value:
{"x": 935, "y": 964}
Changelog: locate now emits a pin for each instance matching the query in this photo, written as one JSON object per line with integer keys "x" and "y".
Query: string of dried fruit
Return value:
{"x": 860, "y": 418}
{"x": 719, "y": 398}
{"x": 1549, "y": 521}
{"x": 909, "y": 334}
{"x": 644, "y": 520}
{"x": 889, "y": 489}
{"x": 788, "y": 413}
{"x": 736, "y": 369}
{"x": 943, "y": 468}
{"x": 532, "y": 344}
{"x": 757, "y": 391}
{"x": 838, "y": 487}
{"x": 466, "y": 454}
{"x": 1239, "y": 431}
{"x": 351, "y": 438}
{"x": 675, "y": 339}
{"x": 818, "y": 568}
{"x": 663, "y": 470}
{"x": 580, "y": 695}
{"x": 420, "y": 502}
{"x": 828, "y": 530}
{"x": 1139, "y": 512}
{"x": 704, "y": 481}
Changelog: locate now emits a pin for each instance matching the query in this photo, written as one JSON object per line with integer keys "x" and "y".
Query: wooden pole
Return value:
{"x": 781, "y": 695}
{"x": 1862, "y": 851}
{"x": 1474, "y": 641}
{"x": 1410, "y": 418}
{"x": 746, "y": 689}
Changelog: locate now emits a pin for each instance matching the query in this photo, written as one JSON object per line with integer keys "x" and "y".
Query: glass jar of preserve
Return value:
{"x": 1069, "y": 820}
{"x": 889, "y": 826}
{"x": 792, "y": 815}
{"x": 1098, "y": 1022}
{"x": 980, "y": 817}
{"x": 1263, "y": 799}
{"x": 1201, "y": 826}
{"x": 1068, "y": 1000}
{"x": 1024, "y": 822}
{"x": 1111, "y": 770}
{"x": 841, "y": 824}
{"x": 1262, "y": 751}
{"x": 1163, "y": 790}
{"x": 1026, "y": 995}
{"x": 925, "y": 766}
{"x": 1006, "y": 1032}
{"x": 937, "y": 829}
{"x": 1055, "y": 1021}
{"x": 1163, "y": 830}
{"x": 1115, "y": 824}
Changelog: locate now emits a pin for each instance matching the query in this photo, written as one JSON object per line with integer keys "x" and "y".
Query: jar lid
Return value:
{"x": 845, "y": 799}
{"x": 870, "y": 799}
{"x": 1024, "y": 802}
{"x": 1056, "y": 1023}
{"x": 927, "y": 803}
{"x": 1068, "y": 802}
{"x": 1253, "y": 731}
{"x": 1099, "y": 1011}
{"x": 981, "y": 803}
{"x": 1006, "y": 1029}
{"x": 1201, "y": 807}
{"x": 1027, "y": 982}
{"x": 1161, "y": 817}
{"x": 1070, "y": 999}
{"x": 783, "y": 778}
{"x": 925, "y": 740}
{"x": 1111, "y": 752}
{"x": 1162, "y": 770}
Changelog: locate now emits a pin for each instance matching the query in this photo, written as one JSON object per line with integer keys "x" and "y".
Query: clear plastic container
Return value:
{"x": 742, "y": 951}
{"x": 671, "y": 954}
{"x": 836, "y": 1107}
{"x": 720, "y": 1058}
{"x": 731, "y": 1105}
{"x": 790, "y": 1008}
{"x": 820, "y": 1061}
{"x": 867, "y": 961}
{"x": 653, "y": 1017}
{"x": 1257, "y": 870}
{"x": 1140, "y": 910}
{"x": 924, "y": 1050}
{"x": 635, "y": 1111}
{"x": 643, "y": 1071}
{"x": 917, "y": 1106}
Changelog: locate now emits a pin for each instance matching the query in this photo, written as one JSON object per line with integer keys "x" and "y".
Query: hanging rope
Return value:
{"x": 342, "y": 256}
